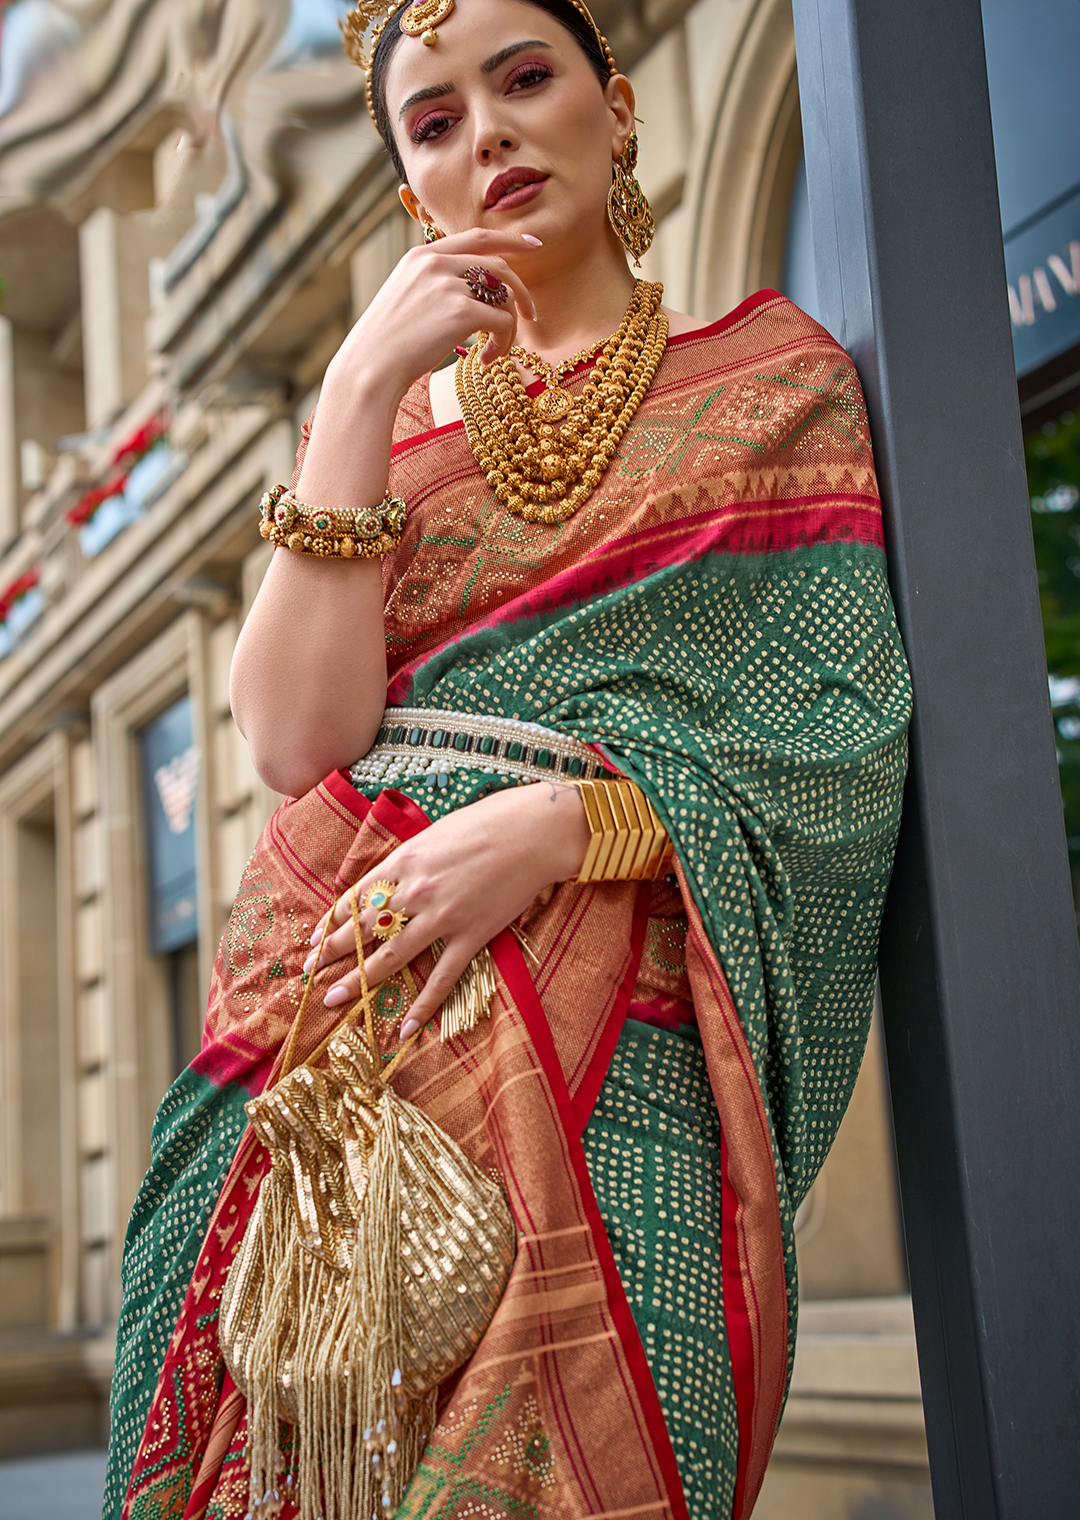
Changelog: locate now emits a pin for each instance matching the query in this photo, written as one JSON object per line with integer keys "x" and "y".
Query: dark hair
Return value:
{"x": 565, "y": 13}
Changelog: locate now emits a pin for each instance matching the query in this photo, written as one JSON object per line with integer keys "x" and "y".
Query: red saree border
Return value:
{"x": 766, "y": 526}
{"x": 752, "y": 1257}
{"x": 511, "y": 964}
{"x": 588, "y": 1089}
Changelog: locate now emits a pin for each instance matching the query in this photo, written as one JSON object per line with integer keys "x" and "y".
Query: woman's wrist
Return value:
{"x": 561, "y": 814}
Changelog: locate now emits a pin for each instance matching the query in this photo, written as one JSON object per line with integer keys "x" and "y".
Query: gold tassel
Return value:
{"x": 469, "y": 1002}
{"x": 373, "y": 1261}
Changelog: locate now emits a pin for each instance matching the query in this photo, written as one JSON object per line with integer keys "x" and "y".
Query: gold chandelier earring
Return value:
{"x": 432, "y": 233}
{"x": 628, "y": 210}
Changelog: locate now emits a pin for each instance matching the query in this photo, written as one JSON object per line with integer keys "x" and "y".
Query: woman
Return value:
{"x": 671, "y": 561}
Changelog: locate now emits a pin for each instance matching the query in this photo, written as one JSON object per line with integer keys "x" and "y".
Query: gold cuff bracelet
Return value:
{"x": 363, "y": 533}
{"x": 629, "y": 843}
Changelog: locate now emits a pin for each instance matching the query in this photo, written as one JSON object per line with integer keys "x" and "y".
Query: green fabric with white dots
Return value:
{"x": 761, "y": 701}
{"x": 196, "y": 1132}
{"x": 653, "y": 1149}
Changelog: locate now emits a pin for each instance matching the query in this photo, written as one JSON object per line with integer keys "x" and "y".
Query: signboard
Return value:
{"x": 1042, "y": 261}
{"x": 170, "y": 770}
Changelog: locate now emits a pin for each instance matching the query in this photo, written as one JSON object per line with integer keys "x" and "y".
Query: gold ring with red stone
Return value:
{"x": 387, "y": 921}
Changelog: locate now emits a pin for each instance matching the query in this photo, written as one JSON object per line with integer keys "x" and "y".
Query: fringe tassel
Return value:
{"x": 469, "y": 1002}
{"x": 360, "y": 1433}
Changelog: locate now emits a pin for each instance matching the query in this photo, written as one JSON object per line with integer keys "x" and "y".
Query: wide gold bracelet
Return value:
{"x": 629, "y": 843}
{"x": 363, "y": 533}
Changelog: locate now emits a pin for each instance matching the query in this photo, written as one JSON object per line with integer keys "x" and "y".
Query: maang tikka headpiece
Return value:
{"x": 364, "y": 25}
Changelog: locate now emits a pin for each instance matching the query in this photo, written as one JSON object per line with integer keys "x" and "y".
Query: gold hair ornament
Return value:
{"x": 366, "y": 22}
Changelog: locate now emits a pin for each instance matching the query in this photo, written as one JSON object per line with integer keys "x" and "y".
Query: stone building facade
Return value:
{"x": 169, "y": 307}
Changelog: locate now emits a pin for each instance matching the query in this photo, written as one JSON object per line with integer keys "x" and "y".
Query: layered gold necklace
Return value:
{"x": 546, "y": 455}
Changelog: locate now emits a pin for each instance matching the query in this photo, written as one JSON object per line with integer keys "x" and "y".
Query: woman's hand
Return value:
{"x": 309, "y": 671}
{"x": 426, "y": 309}
{"x": 462, "y": 881}
{"x": 423, "y": 311}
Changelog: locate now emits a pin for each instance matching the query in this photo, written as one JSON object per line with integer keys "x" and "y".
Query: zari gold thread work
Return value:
{"x": 543, "y": 472}
{"x": 370, "y": 1269}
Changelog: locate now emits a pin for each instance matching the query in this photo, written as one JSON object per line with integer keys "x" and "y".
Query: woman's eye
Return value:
{"x": 430, "y": 126}
{"x": 529, "y": 74}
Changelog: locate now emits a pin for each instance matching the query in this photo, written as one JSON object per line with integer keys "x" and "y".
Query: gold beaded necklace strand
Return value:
{"x": 540, "y": 471}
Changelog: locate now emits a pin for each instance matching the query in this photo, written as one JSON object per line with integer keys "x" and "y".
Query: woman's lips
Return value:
{"x": 520, "y": 196}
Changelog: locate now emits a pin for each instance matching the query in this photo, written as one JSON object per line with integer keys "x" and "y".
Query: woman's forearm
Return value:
{"x": 308, "y": 683}
{"x": 309, "y": 674}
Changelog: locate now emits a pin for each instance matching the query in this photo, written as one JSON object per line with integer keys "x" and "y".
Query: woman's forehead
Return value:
{"x": 475, "y": 34}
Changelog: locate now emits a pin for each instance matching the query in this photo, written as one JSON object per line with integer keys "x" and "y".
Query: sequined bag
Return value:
{"x": 373, "y": 1262}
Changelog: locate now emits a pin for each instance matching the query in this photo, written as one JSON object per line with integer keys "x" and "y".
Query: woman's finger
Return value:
{"x": 339, "y": 943}
{"x": 444, "y": 976}
{"x": 498, "y": 270}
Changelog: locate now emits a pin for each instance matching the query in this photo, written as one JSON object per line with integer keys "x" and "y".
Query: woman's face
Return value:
{"x": 503, "y": 124}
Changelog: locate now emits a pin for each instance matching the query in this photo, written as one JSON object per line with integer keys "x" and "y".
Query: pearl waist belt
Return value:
{"x": 429, "y": 742}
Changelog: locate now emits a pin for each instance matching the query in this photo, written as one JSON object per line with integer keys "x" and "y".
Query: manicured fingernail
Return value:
{"x": 533, "y": 242}
{"x": 336, "y": 996}
{"x": 309, "y": 964}
{"x": 316, "y": 937}
{"x": 409, "y": 1028}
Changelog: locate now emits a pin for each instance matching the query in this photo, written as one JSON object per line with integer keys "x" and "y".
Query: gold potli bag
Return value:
{"x": 370, "y": 1269}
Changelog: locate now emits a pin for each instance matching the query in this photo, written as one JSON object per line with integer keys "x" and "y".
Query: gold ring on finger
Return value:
{"x": 485, "y": 286}
{"x": 388, "y": 923}
{"x": 378, "y": 895}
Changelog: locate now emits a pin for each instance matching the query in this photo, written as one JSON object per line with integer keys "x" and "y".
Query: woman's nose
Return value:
{"x": 491, "y": 137}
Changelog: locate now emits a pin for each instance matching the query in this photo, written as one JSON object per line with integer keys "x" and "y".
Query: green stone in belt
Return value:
{"x": 438, "y": 738}
{"x": 487, "y": 744}
{"x": 514, "y": 751}
{"x": 461, "y": 741}
{"x": 543, "y": 758}
{"x": 574, "y": 766}
{"x": 415, "y": 735}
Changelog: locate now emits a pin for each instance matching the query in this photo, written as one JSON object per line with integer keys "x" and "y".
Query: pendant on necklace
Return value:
{"x": 554, "y": 404}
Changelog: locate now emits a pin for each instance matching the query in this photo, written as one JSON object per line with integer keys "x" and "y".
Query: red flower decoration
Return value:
{"x": 86, "y": 506}
{"x": 17, "y": 588}
{"x": 141, "y": 441}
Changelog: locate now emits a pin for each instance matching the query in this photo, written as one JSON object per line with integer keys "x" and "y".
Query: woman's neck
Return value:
{"x": 580, "y": 302}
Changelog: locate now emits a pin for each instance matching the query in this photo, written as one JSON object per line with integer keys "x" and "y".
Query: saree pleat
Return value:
{"x": 653, "y": 1149}
{"x": 716, "y": 623}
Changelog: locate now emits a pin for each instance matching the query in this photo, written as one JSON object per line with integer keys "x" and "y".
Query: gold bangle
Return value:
{"x": 627, "y": 840}
{"x": 360, "y": 533}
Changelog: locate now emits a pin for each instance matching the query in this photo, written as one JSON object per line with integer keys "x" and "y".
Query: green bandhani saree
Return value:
{"x": 716, "y": 623}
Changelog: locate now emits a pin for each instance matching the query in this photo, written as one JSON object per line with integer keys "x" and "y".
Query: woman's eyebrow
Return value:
{"x": 435, "y": 91}
{"x": 499, "y": 59}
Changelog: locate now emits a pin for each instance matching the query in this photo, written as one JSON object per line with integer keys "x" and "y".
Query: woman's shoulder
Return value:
{"x": 765, "y": 321}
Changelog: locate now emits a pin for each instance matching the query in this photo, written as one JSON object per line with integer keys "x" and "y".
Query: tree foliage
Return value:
{"x": 1053, "y": 466}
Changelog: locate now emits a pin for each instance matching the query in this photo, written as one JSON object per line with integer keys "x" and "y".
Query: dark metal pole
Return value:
{"x": 980, "y": 973}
